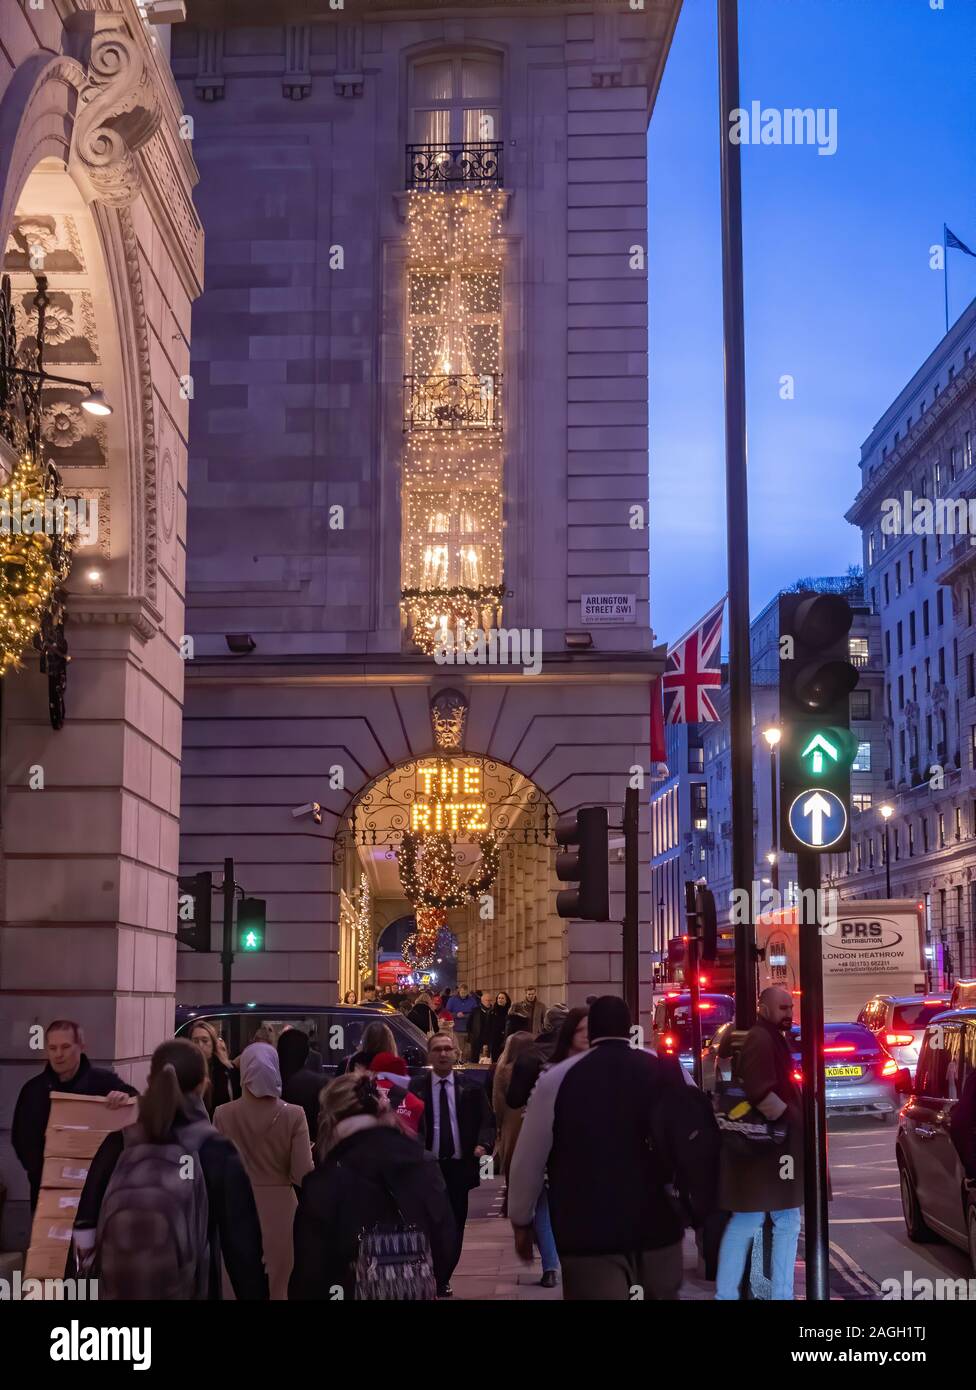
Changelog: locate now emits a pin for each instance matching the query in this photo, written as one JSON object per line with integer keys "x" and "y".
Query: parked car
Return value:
{"x": 334, "y": 1031}
{"x": 671, "y": 1022}
{"x": 717, "y": 1060}
{"x": 936, "y": 1196}
{"x": 899, "y": 1021}
{"x": 862, "y": 1078}
{"x": 963, "y": 995}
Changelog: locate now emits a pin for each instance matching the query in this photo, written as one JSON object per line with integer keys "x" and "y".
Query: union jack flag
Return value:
{"x": 693, "y": 671}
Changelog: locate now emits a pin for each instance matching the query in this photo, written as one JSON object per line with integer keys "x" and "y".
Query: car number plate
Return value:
{"x": 843, "y": 1071}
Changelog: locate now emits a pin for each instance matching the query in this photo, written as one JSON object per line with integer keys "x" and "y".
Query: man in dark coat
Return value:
{"x": 478, "y": 1027}
{"x": 458, "y": 1130}
{"x": 587, "y": 1132}
{"x": 771, "y": 1180}
{"x": 301, "y": 1083}
{"x": 68, "y": 1069}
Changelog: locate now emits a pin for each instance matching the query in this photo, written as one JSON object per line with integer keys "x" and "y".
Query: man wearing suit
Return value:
{"x": 458, "y": 1128}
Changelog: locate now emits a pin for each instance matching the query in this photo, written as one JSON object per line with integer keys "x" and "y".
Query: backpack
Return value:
{"x": 685, "y": 1141}
{"x": 151, "y": 1241}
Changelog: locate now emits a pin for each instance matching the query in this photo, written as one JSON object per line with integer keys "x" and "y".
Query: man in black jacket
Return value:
{"x": 458, "y": 1128}
{"x": 587, "y": 1128}
{"x": 68, "y": 1069}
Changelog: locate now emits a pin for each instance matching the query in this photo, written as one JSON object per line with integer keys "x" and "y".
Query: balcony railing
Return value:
{"x": 477, "y": 163}
{"x": 456, "y": 402}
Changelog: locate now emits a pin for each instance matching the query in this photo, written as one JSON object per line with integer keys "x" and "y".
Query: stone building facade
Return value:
{"x": 920, "y": 579}
{"x": 420, "y": 395}
{"x": 96, "y": 183}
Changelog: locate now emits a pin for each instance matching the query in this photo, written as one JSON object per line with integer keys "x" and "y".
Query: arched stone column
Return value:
{"x": 89, "y": 132}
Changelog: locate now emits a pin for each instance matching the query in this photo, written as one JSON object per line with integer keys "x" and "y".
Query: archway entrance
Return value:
{"x": 494, "y": 827}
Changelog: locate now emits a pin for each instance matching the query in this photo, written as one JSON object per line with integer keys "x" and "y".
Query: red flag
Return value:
{"x": 658, "y": 750}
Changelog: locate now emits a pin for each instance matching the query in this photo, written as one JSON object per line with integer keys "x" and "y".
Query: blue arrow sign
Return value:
{"x": 818, "y": 818}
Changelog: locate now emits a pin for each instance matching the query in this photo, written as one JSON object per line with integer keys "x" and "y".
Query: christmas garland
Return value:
{"x": 432, "y": 881}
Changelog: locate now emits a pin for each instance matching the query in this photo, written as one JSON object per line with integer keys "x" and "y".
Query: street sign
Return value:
{"x": 818, "y": 818}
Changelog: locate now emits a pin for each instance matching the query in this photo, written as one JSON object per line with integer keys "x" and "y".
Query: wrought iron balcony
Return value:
{"x": 452, "y": 402}
{"x": 477, "y": 164}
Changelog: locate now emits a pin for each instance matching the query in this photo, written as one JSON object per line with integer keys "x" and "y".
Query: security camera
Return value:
{"x": 311, "y": 808}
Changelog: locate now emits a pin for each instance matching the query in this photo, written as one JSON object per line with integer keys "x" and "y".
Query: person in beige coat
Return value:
{"x": 507, "y": 1119}
{"x": 273, "y": 1142}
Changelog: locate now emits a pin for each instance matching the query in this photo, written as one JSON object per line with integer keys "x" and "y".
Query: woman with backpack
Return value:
{"x": 207, "y": 1205}
{"x": 272, "y": 1138}
{"x": 369, "y": 1175}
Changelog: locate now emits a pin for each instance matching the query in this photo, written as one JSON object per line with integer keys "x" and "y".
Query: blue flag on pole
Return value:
{"x": 954, "y": 244}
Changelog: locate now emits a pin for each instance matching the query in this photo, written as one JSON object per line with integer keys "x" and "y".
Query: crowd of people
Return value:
{"x": 482, "y": 1021}
{"x": 608, "y": 1154}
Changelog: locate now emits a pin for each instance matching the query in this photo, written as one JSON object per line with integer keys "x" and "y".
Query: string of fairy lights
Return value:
{"x": 452, "y": 473}
{"x": 364, "y": 928}
{"x": 27, "y": 577}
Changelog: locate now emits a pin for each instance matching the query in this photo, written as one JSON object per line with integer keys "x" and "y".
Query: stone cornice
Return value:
{"x": 869, "y": 497}
{"x": 113, "y": 610}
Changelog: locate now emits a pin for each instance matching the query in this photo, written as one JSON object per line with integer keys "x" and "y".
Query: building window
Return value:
{"x": 699, "y": 805}
{"x": 952, "y": 465}
{"x": 968, "y": 450}
{"x": 871, "y": 852}
{"x": 942, "y": 665}
{"x": 897, "y": 578}
{"x": 862, "y": 760}
{"x": 937, "y": 480}
{"x": 897, "y": 844}
{"x": 957, "y": 817}
{"x": 888, "y": 648}
{"x": 942, "y": 830}
{"x": 928, "y": 731}
{"x": 858, "y": 650}
{"x": 455, "y": 100}
{"x": 861, "y": 801}
{"x": 928, "y": 676}
{"x": 925, "y": 617}
{"x": 925, "y": 554}
{"x": 911, "y": 628}
{"x": 940, "y": 607}
{"x": 969, "y": 607}
{"x": 914, "y": 682}
{"x": 696, "y": 758}
{"x": 970, "y": 676}
{"x": 887, "y": 590}
{"x": 911, "y": 567}
{"x": 901, "y": 640}
{"x": 925, "y": 834}
{"x": 911, "y": 840}
{"x": 901, "y": 692}
{"x": 860, "y": 704}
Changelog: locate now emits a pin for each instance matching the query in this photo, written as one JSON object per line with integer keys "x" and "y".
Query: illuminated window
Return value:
{"x": 455, "y": 100}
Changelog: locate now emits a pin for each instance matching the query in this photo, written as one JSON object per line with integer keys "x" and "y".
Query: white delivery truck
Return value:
{"x": 874, "y": 946}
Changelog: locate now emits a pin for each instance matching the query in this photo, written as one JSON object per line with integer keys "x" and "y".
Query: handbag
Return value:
{"x": 746, "y": 1131}
{"x": 394, "y": 1262}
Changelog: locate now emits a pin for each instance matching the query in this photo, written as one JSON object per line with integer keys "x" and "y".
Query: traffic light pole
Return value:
{"x": 227, "y": 951}
{"x": 815, "y": 1231}
{"x": 629, "y": 932}
{"x": 737, "y": 511}
{"x": 694, "y": 980}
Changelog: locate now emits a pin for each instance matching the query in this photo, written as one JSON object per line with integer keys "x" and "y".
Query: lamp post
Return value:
{"x": 887, "y": 812}
{"x": 772, "y": 735}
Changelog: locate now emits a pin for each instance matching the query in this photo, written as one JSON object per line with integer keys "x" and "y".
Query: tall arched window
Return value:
{"x": 455, "y": 100}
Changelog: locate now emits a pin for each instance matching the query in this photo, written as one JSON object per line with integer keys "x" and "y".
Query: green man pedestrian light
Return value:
{"x": 251, "y": 922}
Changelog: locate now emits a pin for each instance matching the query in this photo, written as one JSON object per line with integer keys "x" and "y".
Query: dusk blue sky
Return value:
{"x": 838, "y": 288}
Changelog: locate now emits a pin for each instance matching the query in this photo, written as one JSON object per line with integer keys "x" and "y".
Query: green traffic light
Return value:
{"x": 251, "y": 941}
{"x": 818, "y": 746}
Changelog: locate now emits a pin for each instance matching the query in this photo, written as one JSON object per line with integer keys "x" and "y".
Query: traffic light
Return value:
{"x": 586, "y": 865}
{"x": 817, "y": 748}
{"x": 251, "y": 921}
{"x": 193, "y": 910}
{"x": 708, "y": 922}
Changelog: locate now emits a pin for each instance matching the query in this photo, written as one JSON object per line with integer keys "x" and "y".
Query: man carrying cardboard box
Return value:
{"x": 69, "y": 1070}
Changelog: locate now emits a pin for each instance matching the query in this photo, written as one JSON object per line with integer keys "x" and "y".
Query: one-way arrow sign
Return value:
{"x": 818, "y": 818}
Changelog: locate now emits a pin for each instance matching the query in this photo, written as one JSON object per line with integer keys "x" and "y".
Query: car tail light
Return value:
{"x": 899, "y": 1039}
{"x": 890, "y": 1067}
{"x": 797, "y": 1075}
{"x": 840, "y": 1047}
{"x": 668, "y": 1042}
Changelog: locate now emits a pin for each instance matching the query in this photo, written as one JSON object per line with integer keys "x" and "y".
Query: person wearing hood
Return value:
{"x": 272, "y": 1139}
{"x": 494, "y": 1034}
{"x": 368, "y": 1174}
{"x": 68, "y": 1069}
{"x": 301, "y": 1080}
{"x": 172, "y": 1110}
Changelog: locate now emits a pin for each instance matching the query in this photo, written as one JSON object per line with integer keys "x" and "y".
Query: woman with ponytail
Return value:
{"x": 369, "y": 1174}
{"x": 173, "y": 1117}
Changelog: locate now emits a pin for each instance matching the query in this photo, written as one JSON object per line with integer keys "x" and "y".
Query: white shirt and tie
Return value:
{"x": 439, "y": 1084}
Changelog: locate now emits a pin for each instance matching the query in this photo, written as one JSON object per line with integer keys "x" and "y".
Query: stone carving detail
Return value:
{"x": 167, "y": 495}
{"x": 174, "y": 196}
{"x": 63, "y": 424}
{"x": 119, "y": 109}
{"x": 297, "y": 80}
{"x": 53, "y": 235}
{"x": 103, "y": 497}
{"x": 348, "y": 77}
{"x": 209, "y": 83}
{"x": 448, "y": 716}
{"x": 146, "y": 505}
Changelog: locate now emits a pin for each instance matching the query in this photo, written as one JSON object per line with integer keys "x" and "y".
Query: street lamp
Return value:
{"x": 772, "y": 735}
{"x": 887, "y": 812}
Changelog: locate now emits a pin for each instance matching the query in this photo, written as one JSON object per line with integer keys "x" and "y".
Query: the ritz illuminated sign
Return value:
{"x": 450, "y": 800}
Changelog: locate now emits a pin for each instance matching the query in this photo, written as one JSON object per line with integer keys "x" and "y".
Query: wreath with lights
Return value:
{"x": 431, "y": 880}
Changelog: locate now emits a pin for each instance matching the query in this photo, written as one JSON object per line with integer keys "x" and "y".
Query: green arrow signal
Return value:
{"x": 818, "y": 746}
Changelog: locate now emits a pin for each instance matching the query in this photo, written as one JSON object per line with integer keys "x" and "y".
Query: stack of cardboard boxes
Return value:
{"x": 75, "y": 1130}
